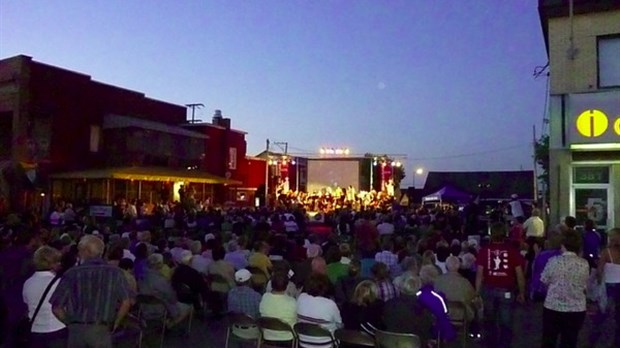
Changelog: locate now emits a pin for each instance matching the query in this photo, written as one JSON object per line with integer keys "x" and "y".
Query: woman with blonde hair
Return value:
{"x": 47, "y": 330}
{"x": 364, "y": 310}
{"x": 608, "y": 271}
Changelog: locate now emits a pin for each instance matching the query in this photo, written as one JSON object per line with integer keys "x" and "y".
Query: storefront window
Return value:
{"x": 591, "y": 203}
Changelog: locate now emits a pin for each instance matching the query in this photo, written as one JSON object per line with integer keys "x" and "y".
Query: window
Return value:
{"x": 608, "y": 61}
{"x": 95, "y": 137}
{"x": 232, "y": 158}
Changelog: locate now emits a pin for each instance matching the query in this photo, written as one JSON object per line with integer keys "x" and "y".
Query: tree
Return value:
{"x": 541, "y": 153}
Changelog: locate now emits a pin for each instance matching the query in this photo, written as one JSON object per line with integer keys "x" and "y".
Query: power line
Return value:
{"x": 471, "y": 154}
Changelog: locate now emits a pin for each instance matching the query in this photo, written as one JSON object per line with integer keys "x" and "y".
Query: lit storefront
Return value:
{"x": 585, "y": 157}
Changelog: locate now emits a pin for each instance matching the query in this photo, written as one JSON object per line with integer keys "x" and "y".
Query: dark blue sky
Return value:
{"x": 426, "y": 78}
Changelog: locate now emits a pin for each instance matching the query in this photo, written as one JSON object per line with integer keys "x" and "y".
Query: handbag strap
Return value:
{"x": 47, "y": 290}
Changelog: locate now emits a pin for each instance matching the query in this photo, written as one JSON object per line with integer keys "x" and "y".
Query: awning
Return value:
{"x": 148, "y": 174}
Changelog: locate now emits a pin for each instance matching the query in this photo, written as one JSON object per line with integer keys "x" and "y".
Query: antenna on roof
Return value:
{"x": 194, "y": 106}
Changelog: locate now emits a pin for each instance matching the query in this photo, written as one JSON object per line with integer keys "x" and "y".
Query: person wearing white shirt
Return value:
{"x": 47, "y": 330}
{"x": 534, "y": 226}
{"x": 313, "y": 306}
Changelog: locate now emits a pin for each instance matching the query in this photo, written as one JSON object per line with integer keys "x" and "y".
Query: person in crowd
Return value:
{"x": 236, "y": 254}
{"x": 456, "y": 288}
{"x": 199, "y": 262}
{"x": 290, "y": 226}
{"x": 410, "y": 267}
{"x": 435, "y": 302}
{"x": 313, "y": 306}
{"x": 591, "y": 243}
{"x": 16, "y": 267}
{"x": 140, "y": 264}
{"x": 155, "y": 284}
{"x": 366, "y": 234}
{"x": 260, "y": 259}
{"x": 367, "y": 261}
{"x": 386, "y": 256}
{"x": 407, "y": 305}
{"x": 538, "y": 290}
{"x": 608, "y": 273}
{"x": 243, "y": 299}
{"x": 566, "y": 277}
{"x": 224, "y": 279}
{"x": 385, "y": 227}
{"x": 283, "y": 268}
{"x": 126, "y": 265}
{"x": 318, "y": 265}
{"x": 517, "y": 232}
{"x": 337, "y": 270}
{"x": 91, "y": 298}
{"x": 185, "y": 276}
{"x": 499, "y": 280}
{"x": 276, "y": 304}
{"x": 169, "y": 265}
{"x": 47, "y": 330}
{"x": 441, "y": 254}
{"x": 365, "y": 310}
{"x": 345, "y": 286}
{"x": 381, "y": 276}
{"x": 534, "y": 227}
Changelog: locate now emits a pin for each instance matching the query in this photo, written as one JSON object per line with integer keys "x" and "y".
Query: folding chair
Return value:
{"x": 457, "y": 312}
{"x": 274, "y": 324}
{"x": 385, "y": 339}
{"x": 304, "y": 331}
{"x": 354, "y": 338}
{"x": 239, "y": 320}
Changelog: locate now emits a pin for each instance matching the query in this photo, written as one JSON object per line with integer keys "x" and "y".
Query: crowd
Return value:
{"x": 375, "y": 269}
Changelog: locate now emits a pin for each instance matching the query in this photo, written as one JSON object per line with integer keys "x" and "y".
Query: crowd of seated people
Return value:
{"x": 361, "y": 279}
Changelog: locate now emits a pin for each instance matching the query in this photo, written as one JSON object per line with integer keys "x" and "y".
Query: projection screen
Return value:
{"x": 324, "y": 173}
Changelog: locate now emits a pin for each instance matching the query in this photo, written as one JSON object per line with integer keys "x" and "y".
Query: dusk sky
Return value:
{"x": 430, "y": 79}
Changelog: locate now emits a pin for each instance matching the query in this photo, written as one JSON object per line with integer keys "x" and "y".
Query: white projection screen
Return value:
{"x": 333, "y": 173}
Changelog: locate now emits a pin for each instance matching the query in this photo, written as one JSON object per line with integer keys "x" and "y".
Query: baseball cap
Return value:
{"x": 242, "y": 275}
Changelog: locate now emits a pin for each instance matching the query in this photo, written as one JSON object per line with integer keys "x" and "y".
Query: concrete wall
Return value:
{"x": 579, "y": 74}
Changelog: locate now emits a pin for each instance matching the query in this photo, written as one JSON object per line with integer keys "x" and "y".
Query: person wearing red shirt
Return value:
{"x": 498, "y": 279}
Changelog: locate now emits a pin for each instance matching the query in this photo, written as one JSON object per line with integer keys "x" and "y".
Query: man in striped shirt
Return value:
{"x": 92, "y": 298}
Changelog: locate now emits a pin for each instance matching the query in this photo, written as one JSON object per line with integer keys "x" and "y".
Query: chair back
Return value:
{"x": 353, "y": 337}
{"x": 184, "y": 293}
{"x": 457, "y": 312}
{"x": 385, "y": 339}
{"x": 145, "y": 299}
{"x": 274, "y": 324}
{"x": 303, "y": 330}
{"x": 240, "y": 319}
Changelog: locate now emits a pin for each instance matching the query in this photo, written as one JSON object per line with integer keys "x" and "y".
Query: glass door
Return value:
{"x": 592, "y": 195}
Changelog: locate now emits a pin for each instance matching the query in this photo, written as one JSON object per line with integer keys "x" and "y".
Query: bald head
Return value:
{"x": 453, "y": 264}
{"x": 90, "y": 247}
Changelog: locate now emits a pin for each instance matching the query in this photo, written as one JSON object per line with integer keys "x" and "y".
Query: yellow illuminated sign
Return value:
{"x": 593, "y": 123}
{"x": 617, "y": 126}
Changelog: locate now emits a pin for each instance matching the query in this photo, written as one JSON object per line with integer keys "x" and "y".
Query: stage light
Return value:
{"x": 293, "y": 162}
{"x": 322, "y": 151}
{"x": 398, "y": 164}
{"x": 374, "y": 163}
{"x": 339, "y": 151}
{"x": 347, "y": 151}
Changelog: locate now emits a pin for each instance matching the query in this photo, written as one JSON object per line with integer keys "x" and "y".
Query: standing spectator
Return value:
{"x": 47, "y": 330}
{"x": 91, "y": 297}
{"x": 591, "y": 243}
{"x": 566, "y": 277}
{"x": 538, "y": 290}
{"x": 608, "y": 272}
{"x": 15, "y": 268}
{"x": 498, "y": 278}
{"x": 534, "y": 227}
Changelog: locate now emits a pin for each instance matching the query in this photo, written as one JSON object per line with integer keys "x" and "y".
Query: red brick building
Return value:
{"x": 65, "y": 135}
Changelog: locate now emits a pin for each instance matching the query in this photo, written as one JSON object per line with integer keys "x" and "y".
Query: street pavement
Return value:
{"x": 527, "y": 324}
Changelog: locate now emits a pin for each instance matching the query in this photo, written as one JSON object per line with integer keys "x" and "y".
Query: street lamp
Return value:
{"x": 418, "y": 171}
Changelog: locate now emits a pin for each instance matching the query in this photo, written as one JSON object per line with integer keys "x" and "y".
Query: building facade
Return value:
{"x": 583, "y": 45}
{"x": 64, "y": 135}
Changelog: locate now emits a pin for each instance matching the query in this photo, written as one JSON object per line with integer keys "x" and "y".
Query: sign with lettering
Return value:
{"x": 100, "y": 210}
{"x": 591, "y": 175}
{"x": 594, "y": 118}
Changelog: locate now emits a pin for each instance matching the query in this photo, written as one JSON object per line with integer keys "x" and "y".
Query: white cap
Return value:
{"x": 242, "y": 275}
{"x": 209, "y": 236}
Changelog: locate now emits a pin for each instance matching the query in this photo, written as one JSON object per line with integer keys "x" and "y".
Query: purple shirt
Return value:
{"x": 436, "y": 304}
{"x": 536, "y": 286}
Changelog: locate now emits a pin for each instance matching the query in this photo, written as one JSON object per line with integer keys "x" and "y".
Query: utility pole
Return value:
{"x": 194, "y": 106}
{"x": 534, "y": 144}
